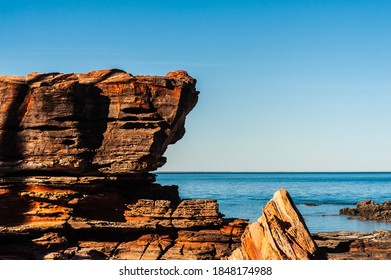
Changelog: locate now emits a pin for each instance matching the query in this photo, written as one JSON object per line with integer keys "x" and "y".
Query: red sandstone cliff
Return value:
{"x": 99, "y": 123}
{"x": 75, "y": 152}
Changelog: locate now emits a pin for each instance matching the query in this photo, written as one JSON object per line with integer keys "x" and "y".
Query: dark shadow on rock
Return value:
{"x": 12, "y": 206}
{"x": 92, "y": 110}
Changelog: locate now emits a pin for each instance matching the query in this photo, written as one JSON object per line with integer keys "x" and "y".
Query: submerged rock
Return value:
{"x": 279, "y": 234}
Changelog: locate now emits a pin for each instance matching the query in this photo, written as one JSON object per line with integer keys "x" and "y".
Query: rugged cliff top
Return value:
{"x": 101, "y": 123}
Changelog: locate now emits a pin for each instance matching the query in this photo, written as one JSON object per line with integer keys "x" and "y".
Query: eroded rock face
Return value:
{"x": 279, "y": 234}
{"x": 117, "y": 221}
{"x": 369, "y": 210}
{"x": 99, "y": 123}
{"x": 75, "y": 156}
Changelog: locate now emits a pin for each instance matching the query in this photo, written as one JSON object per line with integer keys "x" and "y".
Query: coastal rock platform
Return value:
{"x": 119, "y": 221}
{"x": 354, "y": 245}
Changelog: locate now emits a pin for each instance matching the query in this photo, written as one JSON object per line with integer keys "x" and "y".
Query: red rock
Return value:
{"x": 354, "y": 245}
{"x": 146, "y": 247}
{"x": 279, "y": 234}
{"x": 51, "y": 240}
{"x": 103, "y": 122}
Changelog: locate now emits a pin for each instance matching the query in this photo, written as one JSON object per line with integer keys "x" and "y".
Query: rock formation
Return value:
{"x": 369, "y": 210}
{"x": 102, "y": 123}
{"x": 76, "y": 151}
{"x": 279, "y": 234}
{"x": 75, "y": 156}
{"x": 354, "y": 245}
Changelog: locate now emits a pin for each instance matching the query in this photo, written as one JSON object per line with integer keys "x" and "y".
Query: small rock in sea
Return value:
{"x": 310, "y": 204}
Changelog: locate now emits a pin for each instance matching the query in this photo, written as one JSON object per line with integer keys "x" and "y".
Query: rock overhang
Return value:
{"x": 100, "y": 123}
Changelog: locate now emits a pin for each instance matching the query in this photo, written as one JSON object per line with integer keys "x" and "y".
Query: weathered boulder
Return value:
{"x": 369, "y": 210}
{"x": 279, "y": 234}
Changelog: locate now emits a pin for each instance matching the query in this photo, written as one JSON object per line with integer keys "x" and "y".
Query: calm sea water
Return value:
{"x": 243, "y": 195}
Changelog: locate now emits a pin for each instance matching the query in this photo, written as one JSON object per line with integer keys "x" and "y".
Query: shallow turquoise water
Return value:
{"x": 244, "y": 194}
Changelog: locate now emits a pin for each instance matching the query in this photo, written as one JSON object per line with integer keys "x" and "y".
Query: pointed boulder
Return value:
{"x": 279, "y": 234}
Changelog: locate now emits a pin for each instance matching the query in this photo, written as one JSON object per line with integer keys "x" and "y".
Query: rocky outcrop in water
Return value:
{"x": 279, "y": 234}
{"x": 369, "y": 210}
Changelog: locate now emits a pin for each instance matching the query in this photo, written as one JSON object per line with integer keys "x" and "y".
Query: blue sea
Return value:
{"x": 318, "y": 196}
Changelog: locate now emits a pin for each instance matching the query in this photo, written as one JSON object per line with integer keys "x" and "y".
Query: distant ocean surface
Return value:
{"x": 242, "y": 195}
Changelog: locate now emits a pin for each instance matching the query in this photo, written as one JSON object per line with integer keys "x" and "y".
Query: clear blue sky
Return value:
{"x": 285, "y": 85}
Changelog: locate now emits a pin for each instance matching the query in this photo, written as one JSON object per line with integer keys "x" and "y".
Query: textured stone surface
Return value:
{"x": 120, "y": 219}
{"x": 369, "y": 210}
{"x": 75, "y": 156}
{"x": 279, "y": 234}
{"x": 98, "y": 123}
{"x": 354, "y": 245}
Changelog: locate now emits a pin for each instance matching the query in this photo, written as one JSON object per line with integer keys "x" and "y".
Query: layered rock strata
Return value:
{"x": 117, "y": 221}
{"x": 279, "y": 234}
{"x": 75, "y": 156}
{"x": 101, "y": 123}
{"x": 369, "y": 210}
{"x": 354, "y": 245}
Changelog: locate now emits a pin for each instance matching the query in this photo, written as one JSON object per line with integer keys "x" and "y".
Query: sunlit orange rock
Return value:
{"x": 279, "y": 234}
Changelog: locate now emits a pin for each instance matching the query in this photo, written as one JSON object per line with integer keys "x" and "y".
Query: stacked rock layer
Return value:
{"x": 98, "y": 123}
{"x": 75, "y": 155}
